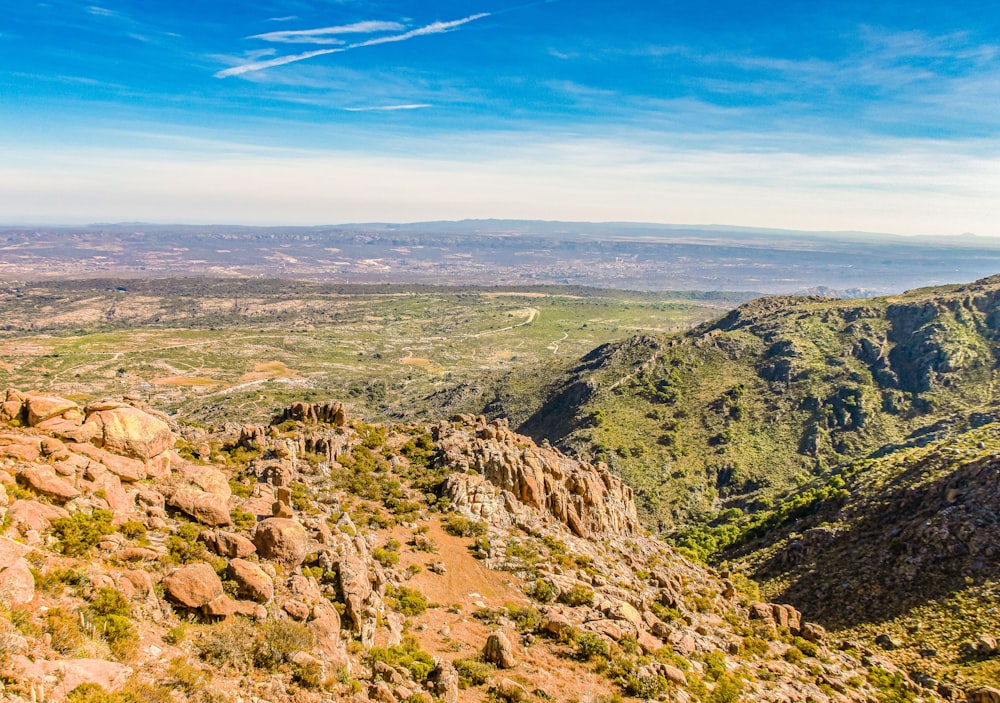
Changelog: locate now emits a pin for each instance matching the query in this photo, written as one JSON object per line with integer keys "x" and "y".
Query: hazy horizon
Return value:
{"x": 838, "y": 116}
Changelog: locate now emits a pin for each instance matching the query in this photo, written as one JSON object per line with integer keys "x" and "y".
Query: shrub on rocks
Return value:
{"x": 79, "y": 533}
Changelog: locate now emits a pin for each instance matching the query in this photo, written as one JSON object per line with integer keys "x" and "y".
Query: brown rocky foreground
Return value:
{"x": 322, "y": 559}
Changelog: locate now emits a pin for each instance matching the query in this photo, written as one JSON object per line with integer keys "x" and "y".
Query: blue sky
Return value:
{"x": 814, "y": 115}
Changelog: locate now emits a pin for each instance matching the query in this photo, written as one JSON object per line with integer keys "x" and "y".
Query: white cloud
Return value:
{"x": 378, "y": 108}
{"x": 433, "y": 28}
{"x": 326, "y": 35}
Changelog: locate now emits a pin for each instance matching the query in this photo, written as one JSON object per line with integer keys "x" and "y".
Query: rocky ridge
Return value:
{"x": 143, "y": 559}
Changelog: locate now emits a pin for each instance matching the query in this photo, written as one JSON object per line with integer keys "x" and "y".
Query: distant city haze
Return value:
{"x": 632, "y": 256}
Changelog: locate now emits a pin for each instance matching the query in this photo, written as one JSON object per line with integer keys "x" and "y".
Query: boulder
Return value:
{"x": 17, "y": 585}
{"x": 27, "y": 515}
{"x": 207, "y": 508}
{"x": 984, "y": 694}
{"x": 132, "y": 432}
{"x": 557, "y": 625}
{"x": 499, "y": 651}
{"x": 44, "y": 480}
{"x": 325, "y": 626}
{"x": 192, "y": 586}
{"x": 11, "y": 552}
{"x": 282, "y": 540}
{"x": 444, "y": 681}
{"x": 43, "y": 407}
{"x": 121, "y": 466}
{"x": 70, "y": 673}
{"x": 251, "y": 581}
{"x": 207, "y": 479}
{"x": 228, "y": 544}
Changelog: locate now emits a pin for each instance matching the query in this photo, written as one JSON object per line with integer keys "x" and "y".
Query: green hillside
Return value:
{"x": 729, "y": 418}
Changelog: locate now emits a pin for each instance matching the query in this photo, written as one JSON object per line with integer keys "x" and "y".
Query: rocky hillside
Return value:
{"x": 903, "y": 553}
{"x": 320, "y": 558}
{"x": 728, "y": 418}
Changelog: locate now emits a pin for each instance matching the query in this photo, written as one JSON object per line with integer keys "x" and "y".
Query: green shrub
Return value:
{"x": 715, "y": 665}
{"x": 109, "y": 601}
{"x": 120, "y": 634}
{"x": 242, "y": 519}
{"x": 543, "y": 591}
{"x": 187, "y": 677}
{"x": 805, "y": 646}
{"x": 228, "y": 645}
{"x": 407, "y": 601}
{"x": 175, "y": 635}
{"x": 590, "y": 645}
{"x": 308, "y": 674}
{"x": 577, "y": 596}
{"x": 526, "y": 618}
{"x": 385, "y": 557}
{"x": 55, "y": 581}
{"x": 64, "y": 630}
{"x": 184, "y": 547}
{"x": 461, "y": 526}
{"x": 77, "y": 534}
{"x": 135, "y": 691}
{"x": 133, "y": 529}
{"x": 472, "y": 672}
{"x": 407, "y": 655}
{"x": 277, "y": 640}
{"x": 892, "y": 687}
{"x": 627, "y": 673}
{"x": 727, "y": 689}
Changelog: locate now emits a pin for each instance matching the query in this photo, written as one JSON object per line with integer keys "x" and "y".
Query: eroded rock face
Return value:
{"x": 356, "y": 588}
{"x": 192, "y": 586}
{"x": 586, "y": 498}
{"x": 282, "y": 540}
{"x": 332, "y": 413}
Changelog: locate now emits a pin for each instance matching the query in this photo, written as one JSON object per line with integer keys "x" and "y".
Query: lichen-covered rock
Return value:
{"x": 192, "y": 586}
{"x": 282, "y": 540}
{"x": 444, "y": 681}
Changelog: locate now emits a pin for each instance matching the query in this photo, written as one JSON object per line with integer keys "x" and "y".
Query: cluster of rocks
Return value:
{"x": 590, "y": 500}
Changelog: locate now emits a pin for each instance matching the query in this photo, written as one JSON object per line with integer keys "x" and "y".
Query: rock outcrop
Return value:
{"x": 586, "y": 498}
